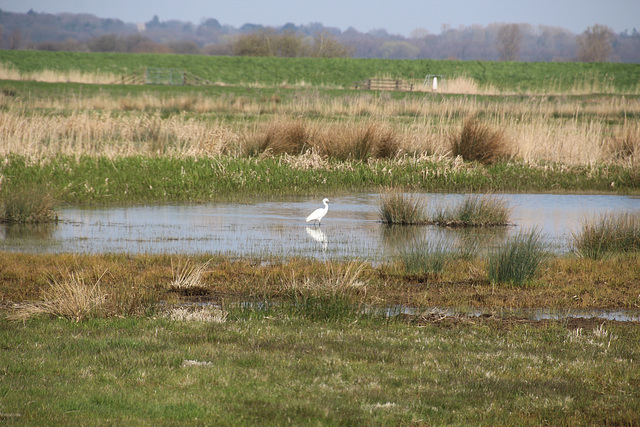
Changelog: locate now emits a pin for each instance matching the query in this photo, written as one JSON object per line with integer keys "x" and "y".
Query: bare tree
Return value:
{"x": 594, "y": 45}
{"x": 325, "y": 45}
{"x": 508, "y": 42}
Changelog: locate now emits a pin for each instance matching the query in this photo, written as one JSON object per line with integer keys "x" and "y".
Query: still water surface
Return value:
{"x": 350, "y": 229}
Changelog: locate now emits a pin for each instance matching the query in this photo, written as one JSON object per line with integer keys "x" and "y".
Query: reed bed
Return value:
{"x": 612, "y": 233}
{"x": 352, "y": 127}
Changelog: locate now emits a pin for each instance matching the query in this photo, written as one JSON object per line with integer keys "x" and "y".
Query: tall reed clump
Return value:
{"x": 280, "y": 137}
{"x": 475, "y": 211}
{"x": 71, "y": 298}
{"x": 518, "y": 259}
{"x": 611, "y": 233}
{"x": 359, "y": 141}
{"x": 479, "y": 142}
{"x": 626, "y": 143}
{"x": 396, "y": 207}
{"x": 23, "y": 206}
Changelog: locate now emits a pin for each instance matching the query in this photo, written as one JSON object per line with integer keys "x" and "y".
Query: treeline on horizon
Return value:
{"x": 499, "y": 41}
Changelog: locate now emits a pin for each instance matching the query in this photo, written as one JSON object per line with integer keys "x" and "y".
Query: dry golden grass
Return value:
{"x": 333, "y": 280}
{"x": 477, "y": 141}
{"x": 71, "y": 298}
{"x": 350, "y": 127}
{"x": 187, "y": 277}
{"x": 52, "y": 76}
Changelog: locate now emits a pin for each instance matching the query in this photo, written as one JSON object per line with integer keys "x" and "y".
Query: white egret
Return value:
{"x": 319, "y": 213}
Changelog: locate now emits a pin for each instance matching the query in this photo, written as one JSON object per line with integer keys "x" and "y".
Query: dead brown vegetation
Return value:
{"x": 477, "y": 141}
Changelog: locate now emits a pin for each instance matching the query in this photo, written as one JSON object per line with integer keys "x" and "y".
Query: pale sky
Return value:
{"x": 396, "y": 16}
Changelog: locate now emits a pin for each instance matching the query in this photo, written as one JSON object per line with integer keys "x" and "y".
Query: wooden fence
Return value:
{"x": 162, "y": 76}
{"x": 384, "y": 84}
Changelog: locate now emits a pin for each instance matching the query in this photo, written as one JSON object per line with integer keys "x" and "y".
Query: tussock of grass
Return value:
{"x": 33, "y": 205}
{"x": 474, "y": 211}
{"x": 359, "y": 141}
{"x": 187, "y": 277}
{"x": 72, "y": 298}
{"x": 611, "y": 233}
{"x": 342, "y": 280}
{"x": 398, "y": 208}
{"x": 285, "y": 136}
{"x": 477, "y": 141}
{"x": 518, "y": 259}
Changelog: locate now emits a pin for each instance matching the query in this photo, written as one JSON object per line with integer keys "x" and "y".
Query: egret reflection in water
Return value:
{"x": 318, "y": 235}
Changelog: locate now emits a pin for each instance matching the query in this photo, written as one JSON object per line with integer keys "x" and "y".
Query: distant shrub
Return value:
{"x": 479, "y": 142}
{"x": 611, "y": 233}
{"x": 518, "y": 259}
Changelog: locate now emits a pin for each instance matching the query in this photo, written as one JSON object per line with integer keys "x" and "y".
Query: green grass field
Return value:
{"x": 339, "y": 72}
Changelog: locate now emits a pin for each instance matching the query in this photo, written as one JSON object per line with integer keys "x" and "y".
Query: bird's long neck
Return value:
{"x": 326, "y": 205}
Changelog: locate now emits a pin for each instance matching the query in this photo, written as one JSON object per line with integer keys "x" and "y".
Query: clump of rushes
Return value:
{"x": 477, "y": 141}
{"x": 611, "y": 233}
{"x": 280, "y": 137}
{"x": 425, "y": 257}
{"x": 518, "y": 259}
{"x": 474, "y": 211}
{"x": 398, "y": 208}
{"x": 361, "y": 141}
{"x": 23, "y": 206}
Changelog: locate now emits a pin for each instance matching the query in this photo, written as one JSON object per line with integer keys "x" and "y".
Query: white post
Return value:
{"x": 435, "y": 84}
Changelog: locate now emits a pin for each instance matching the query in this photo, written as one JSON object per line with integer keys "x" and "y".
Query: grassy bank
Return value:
{"x": 90, "y": 180}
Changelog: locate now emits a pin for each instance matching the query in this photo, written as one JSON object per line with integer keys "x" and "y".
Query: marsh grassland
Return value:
{"x": 211, "y": 339}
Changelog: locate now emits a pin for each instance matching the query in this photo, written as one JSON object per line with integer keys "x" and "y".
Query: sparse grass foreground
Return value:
{"x": 272, "y": 368}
